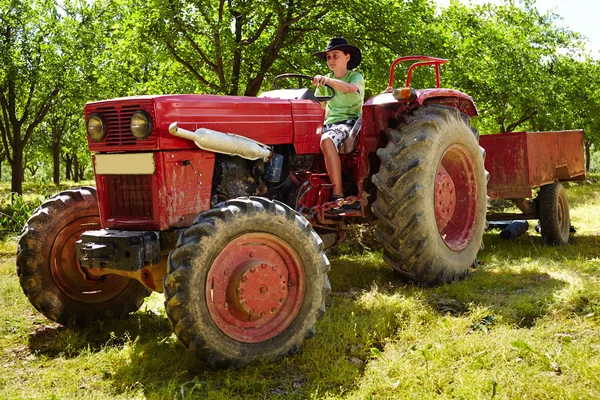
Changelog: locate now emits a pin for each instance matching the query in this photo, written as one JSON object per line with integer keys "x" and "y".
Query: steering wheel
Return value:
{"x": 301, "y": 77}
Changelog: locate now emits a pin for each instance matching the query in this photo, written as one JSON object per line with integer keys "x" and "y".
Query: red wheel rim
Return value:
{"x": 255, "y": 287}
{"x": 68, "y": 274}
{"x": 456, "y": 197}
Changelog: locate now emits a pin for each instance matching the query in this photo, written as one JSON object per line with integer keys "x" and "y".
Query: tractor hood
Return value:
{"x": 266, "y": 120}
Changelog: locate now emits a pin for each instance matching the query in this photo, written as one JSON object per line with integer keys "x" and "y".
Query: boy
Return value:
{"x": 344, "y": 109}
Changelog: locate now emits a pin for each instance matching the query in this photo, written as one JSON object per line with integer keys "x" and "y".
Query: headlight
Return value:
{"x": 96, "y": 127}
{"x": 141, "y": 125}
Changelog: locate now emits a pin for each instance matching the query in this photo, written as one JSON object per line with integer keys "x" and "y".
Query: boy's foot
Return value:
{"x": 343, "y": 208}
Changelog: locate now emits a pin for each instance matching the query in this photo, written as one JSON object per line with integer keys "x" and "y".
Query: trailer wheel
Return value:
{"x": 431, "y": 201}
{"x": 555, "y": 221}
{"x": 49, "y": 272}
{"x": 248, "y": 280}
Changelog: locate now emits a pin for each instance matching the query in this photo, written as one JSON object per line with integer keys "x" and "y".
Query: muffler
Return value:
{"x": 224, "y": 143}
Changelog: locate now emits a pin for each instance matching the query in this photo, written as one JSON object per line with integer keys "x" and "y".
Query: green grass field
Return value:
{"x": 525, "y": 324}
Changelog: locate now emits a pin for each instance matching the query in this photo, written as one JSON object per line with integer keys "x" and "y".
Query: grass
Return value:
{"x": 525, "y": 324}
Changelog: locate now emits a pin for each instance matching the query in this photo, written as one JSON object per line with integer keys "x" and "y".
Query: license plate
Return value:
{"x": 124, "y": 164}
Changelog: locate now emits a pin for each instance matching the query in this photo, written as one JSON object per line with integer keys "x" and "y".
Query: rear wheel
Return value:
{"x": 247, "y": 281}
{"x": 431, "y": 201}
{"x": 555, "y": 221}
{"x": 50, "y": 274}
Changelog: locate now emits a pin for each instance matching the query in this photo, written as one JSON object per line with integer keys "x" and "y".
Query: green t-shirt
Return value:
{"x": 344, "y": 105}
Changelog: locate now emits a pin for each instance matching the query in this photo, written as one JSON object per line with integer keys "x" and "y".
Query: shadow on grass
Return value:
{"x": 519, "y": 297}
{"x": 332, "y": 361}
{"x": 55, "y": 340}
{"x": 513, "y": 280}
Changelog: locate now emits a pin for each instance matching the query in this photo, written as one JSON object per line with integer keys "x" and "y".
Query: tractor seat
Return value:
{"x": 352, "y": 141}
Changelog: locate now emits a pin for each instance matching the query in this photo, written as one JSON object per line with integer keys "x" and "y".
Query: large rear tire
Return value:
{"x": 48, "y": 270}
{"x": 431, "y": 201}
{"x": 246, "y": 281}
{"x": 555, "y": 220}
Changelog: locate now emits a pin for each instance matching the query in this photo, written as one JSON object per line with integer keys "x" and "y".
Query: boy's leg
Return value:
{"x": 333, "y": 165}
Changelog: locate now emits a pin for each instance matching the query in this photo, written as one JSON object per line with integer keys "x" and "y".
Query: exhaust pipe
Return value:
{"x": 224, "y": 143}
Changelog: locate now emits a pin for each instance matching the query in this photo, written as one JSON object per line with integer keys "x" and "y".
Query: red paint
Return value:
{"x": 444, "y": 198}
{"x": 426, "y": 61}
{"x": 521, "y": 161}
{"x": 255, "y": 287}
{"x": 449, "y": 97}
{"x": 172, "y": 197}
{"x": 268, "y": 121}
{"x": 308, "y": 118}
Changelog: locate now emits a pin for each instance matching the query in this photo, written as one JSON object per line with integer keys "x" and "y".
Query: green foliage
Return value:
{"x": 523, "y": 70}
{"x": 595, "y": 162}
{"x": 14, "y": 212}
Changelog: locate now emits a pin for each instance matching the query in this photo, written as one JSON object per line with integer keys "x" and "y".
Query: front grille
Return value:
{"x": 129, "y": 196}
{"x": 118, "y": 119}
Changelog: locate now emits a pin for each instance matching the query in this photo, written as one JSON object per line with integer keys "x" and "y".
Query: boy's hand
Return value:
{"x": 319, "y": 80}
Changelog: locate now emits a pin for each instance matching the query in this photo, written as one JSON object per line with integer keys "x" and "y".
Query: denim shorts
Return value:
{"x": 338, "y": 132}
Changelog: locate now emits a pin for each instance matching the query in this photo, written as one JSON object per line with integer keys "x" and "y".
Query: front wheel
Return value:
{"x": 246, "y": 281}
{"x": 50, "y": 274}
{"x": 431, "y": 201}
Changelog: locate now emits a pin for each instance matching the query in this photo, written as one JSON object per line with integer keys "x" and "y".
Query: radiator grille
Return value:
{"x": 118, "y": 119}
{"x": 129, "y": 196}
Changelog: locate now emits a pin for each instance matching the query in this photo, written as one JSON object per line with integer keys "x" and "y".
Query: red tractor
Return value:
{"x": 220, "y": 202}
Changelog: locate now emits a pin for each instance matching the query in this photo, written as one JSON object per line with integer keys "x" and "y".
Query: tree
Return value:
{"x": 228, "y": 46}
{"x": 33, "y": 57}
{"x": 501, "y": 55}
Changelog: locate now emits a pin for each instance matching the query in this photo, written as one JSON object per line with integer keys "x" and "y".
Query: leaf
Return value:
{"x": 519, "y": 344}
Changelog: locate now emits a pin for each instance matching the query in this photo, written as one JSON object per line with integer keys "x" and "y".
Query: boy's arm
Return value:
{"x": 338, "y": 85}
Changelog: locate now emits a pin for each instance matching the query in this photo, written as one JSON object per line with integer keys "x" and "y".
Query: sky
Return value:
{"x": 578, "y": 15}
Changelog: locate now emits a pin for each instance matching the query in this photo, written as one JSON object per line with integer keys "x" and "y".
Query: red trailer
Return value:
{"x": 520, "y": 162}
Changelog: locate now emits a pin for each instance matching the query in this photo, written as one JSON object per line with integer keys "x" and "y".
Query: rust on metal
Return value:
{"x": 68, "y": 274}
{"x": 152, "y": 276}
{"x": 521, "y": 161}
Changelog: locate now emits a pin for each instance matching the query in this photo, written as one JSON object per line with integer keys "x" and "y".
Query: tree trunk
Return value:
{"x": 586, "y": 145}
{"x": 82, "y": 171}
{"x": 17, "y": 172}
{"x": 68, "y": 166}
{"x": 56, "y": 162}
{"x": 75, "y": 168}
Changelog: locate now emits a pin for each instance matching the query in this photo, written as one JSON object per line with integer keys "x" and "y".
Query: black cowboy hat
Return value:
{"x": 342, "y": 45}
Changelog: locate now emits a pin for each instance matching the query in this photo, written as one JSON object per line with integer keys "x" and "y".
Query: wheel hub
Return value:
{"x": 262, "y": 290}
{"x": 445, "y": 198}
{"x": 255, "y": 287}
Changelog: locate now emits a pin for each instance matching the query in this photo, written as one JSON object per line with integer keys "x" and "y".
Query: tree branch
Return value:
{"x": 195, "y": 45}
{"x": 8, "y": 139}
{"x": 526, "y": 117}
{"x": 39, "y": 117}
{"x": 28, "y": 103}
{"x": 258, "y": 32}
{"x": 189, "y": 66}
{"x": 4, "y": 129}
{"x": 217, "y": 41}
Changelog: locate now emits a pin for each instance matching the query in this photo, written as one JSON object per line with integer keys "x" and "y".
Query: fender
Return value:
{"x": 449, "y": 97}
